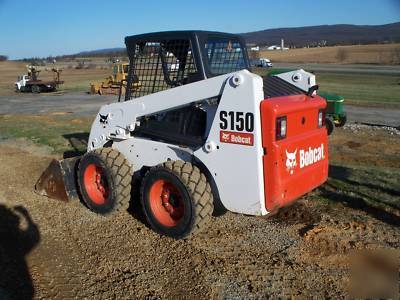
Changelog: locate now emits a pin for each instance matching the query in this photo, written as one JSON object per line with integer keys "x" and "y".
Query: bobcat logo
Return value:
{"x": 225, "y": 136}
{"x": 291, "y": 161}
{"x": 103, "y": 119}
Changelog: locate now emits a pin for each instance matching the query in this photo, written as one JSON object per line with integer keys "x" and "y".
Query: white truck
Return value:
{"x": 263, "y": 63}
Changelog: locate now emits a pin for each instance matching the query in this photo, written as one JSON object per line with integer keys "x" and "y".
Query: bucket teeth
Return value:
{"x": 58, "y": 181}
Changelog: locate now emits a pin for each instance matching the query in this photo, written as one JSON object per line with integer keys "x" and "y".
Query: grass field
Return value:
{"x": 9, "y": 70}
{"x": 362, "y": 54}
{"x": 59, "y": 132}
{"x": 362, "y": 89}
{"x": 364, "y": 170}
{"x": 368, "y": 89}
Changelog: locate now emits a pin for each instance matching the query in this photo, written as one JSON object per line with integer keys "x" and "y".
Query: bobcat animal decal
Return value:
{"x": 225, "y": 136}
{"x": 103, "y": 119}
{"x": 291, "y": 161}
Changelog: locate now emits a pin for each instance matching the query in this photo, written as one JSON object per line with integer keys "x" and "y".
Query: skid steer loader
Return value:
{"x": 202, "y": 131}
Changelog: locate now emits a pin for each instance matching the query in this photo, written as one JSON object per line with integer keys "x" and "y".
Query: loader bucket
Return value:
{"x": 58, "y": 181}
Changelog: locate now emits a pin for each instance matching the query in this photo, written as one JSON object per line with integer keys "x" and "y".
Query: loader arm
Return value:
{"x": 117, "y": 120}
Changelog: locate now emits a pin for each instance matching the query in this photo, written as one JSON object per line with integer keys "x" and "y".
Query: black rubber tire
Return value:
{"x": 196, "y": 194}
{"x": 342, "y": 121}
{"x": 118, "y": 177}
{"x": 35, "y": 89}
{"x": 329, "y": 125}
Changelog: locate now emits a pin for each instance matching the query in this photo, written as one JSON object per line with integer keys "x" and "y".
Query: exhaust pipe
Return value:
{"x": 59, "y": 180}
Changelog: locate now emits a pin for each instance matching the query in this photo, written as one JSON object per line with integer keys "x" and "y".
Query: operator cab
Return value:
{"x": 165, "y": 60}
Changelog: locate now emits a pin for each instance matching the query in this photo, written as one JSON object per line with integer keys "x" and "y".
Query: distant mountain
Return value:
{"x": 331, "y": 34}
{"x": 302, "y": 36}
{"x": 101, "y": 52}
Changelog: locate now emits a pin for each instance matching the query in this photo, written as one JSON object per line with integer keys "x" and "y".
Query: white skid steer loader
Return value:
{"x": 205, "y": 133}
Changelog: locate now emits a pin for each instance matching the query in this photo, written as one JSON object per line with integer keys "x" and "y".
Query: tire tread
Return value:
{"x": 121, "y": 172}
{"x": 199, "y": 190}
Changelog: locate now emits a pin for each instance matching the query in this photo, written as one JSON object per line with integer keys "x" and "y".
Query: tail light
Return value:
{"x": 321, "y": 118}
{"x": 281, "y": 127}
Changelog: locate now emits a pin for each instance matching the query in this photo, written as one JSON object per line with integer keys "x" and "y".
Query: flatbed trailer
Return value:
{"x": 30, "y": 83}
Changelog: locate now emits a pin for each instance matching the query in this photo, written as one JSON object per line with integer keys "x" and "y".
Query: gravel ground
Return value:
{"x": 79, "y": 104}
{"x": 355, "y": 128}
{"x": 50, "y": 249}
{"x": 373, "y": 115}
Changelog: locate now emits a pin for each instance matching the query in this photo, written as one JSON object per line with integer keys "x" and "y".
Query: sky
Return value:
{"x": 42, "y": 28}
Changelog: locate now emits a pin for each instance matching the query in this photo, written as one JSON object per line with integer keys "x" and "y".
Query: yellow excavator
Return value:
{"x": 112, "y": 84}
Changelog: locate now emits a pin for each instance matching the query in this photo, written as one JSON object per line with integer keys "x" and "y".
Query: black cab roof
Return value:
{"x": 178, "y": 34}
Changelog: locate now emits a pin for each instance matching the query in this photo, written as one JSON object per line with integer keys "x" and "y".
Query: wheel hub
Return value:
{"x": 166, "y": 203}
{"x": 165, "y": 198}
{"x": 95, "y": 184}
{"x": 100, "y": 184}
{"x": 169, "y": 201}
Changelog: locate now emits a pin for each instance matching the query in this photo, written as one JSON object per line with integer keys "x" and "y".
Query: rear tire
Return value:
{"x": 105, "y": 179}
{"x": 176, "y": 199}
{"x": 342, "y": 121}
{"x": 329, "y": 125}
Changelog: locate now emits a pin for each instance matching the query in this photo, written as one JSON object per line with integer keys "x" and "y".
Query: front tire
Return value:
{"x": 105, "y": 179}
{"x": 176, "y": 199}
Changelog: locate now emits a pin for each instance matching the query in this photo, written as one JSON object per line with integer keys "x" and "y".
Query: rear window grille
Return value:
{"x": 160, "y": 65}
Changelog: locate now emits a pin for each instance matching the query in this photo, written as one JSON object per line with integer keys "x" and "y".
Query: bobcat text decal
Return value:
{"x": 236, "y": 138}
{"x": 236, "y": 127}
{"x": 306, "y": 157}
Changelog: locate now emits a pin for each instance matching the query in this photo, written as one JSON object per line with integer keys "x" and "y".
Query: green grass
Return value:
{"x": 366, "y": 89}
{"x": 53, "y": 131}
{"x": 372, "y": 189}
{"x": 81, "y": 86}
{"x": 362, "y": 89}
